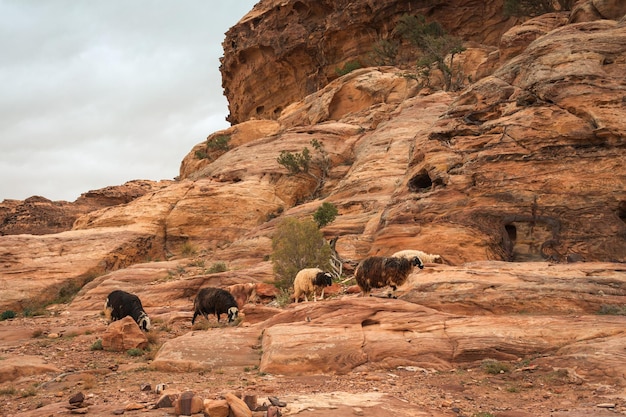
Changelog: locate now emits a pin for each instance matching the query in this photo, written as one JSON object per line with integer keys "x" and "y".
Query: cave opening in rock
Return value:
{"x": 511, "y": 230}
{"x": 420, "y": 182}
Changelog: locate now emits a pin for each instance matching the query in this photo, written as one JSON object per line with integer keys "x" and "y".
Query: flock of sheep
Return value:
{"x": 372, "y": 272}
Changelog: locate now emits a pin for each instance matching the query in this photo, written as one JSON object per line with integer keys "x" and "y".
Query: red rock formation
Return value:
{"x": 280, "y": 52}
{"x": 40, "y": 216}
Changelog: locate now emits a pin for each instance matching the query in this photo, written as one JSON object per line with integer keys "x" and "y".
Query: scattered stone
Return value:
{"x": 166, "y": 401}
{"x": 273, "y": 411}
{"x": 77, "y": 399}
{"x": 606, "y": 405}
{"x": 53, "y": 336}
{"x": 134, "y": 406}
{"x": 237, "y": 407}
{"x": 216, "y": 408}
{"x": 188, "y": 403}
{"x": 275, "y": 401}
{"x": 358, "y": 411}
{"x": 118, "y": 412}
{"x": 83, "y": 410}
{"x": 146, "y": 387}
{"x": 251, "y": 401}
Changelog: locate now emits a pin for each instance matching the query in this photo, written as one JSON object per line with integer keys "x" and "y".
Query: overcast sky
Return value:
{"x": 99, "y": 92}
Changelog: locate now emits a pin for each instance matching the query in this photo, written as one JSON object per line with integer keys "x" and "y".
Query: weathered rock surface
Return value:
{"x": 40, "y": 216}
{"x": 124, "y": 334}
{"x": 281, "y": 52}
{"x": 517, "y": 181}
{"x": 18, "y": 367}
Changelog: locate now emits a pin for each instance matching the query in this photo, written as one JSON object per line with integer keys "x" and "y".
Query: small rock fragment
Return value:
{"x": 275, "y": 401}
{"x": 216, "y": 408}
{"x": 273, "y": 411}
{"x": 146, "y": 387}
{"x": 237, "y": 406}
{"x": 77, "y": 399}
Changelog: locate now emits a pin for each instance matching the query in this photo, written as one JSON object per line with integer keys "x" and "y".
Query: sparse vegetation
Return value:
{"x": 188, "y": 249}
{"x": 7, "y": 314}
{"x": 534, "y": 8}
{"x": 612, "y": 310}
{"x": 284, "y": 297}
{"x": 134, "y": 352}
{"x": 97, "y": 345}
{"x": 385, "y": 52}
{"x": 8, "y": 391}
{"x": 495, "y": 367}
{"x": 298, "y": 244}
{"x": 348, "y": 67}
{"x": 219, "y": 143}
{"x": 217, "y": 267}
{"x": 433, "y": 44}
{"x": 325, "y": 214}
{"x": 295, "y": 162}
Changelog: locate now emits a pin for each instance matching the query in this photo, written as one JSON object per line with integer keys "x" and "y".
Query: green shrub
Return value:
{"x": 295, "y": 162}
{"x": 97, "y": 345}
{"x": 8, "y": 314}
{"x": 67, "y": 292}
{"x": 433, "y": 43}
{"x": 347, "y": 68}
{"x": 283, "y": 298}
{"x": 219, "y": 143}
{"x": 217, "y": 267}
{"x": 134, "y": 352}
{"x": 384, "y": 52}
{"x": 201, "y": 154}
{"x": 296, "y": 245}
{"x": 495, "y": 367}
{"x": 325, "y": 214}
{"x": 188, "y": 249}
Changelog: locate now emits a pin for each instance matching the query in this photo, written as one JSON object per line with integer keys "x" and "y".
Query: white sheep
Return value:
{"x": 310, "y": 280}
{"x": 426, "y": 258}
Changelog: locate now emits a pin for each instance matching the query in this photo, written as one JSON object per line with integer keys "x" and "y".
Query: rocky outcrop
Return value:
{"x": 446, "y": 317}
{"x": 280, "y": 52}
{"x": 40, "y": 216}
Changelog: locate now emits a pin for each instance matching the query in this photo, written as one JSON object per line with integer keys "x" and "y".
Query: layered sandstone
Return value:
{"x": 280, "y": 52}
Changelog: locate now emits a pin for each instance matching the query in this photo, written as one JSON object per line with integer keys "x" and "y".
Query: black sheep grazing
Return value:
{"x": 215, "y": 301}
{"x": 120, "y": 304}
{"x": 379, "y": 272}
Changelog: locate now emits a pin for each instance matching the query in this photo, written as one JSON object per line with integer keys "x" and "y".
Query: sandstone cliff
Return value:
{"x": 517, "y": 179}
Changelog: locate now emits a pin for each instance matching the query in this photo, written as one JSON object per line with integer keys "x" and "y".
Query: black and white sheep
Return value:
{"x": 379, "y": 272}
{"x": 216, "y": 301}
{"x": 311, "y": 280}
{"x": 426, "y": 258}
{"x": 120, "y": 304}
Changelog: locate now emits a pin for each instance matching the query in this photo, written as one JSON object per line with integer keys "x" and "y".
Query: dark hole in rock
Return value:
{"x": 420, "y": 182}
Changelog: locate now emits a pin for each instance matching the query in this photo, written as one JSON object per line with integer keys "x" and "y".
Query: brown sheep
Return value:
{"x": 379, "y": 272}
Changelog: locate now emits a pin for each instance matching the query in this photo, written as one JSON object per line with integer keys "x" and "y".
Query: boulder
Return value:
{"x": 124, "y": 334}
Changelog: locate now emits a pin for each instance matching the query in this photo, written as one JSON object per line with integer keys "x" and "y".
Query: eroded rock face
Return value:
{"x": 445, "y": 317}
{"x": 40, "y": 216}
{"x": 280, "y": 52}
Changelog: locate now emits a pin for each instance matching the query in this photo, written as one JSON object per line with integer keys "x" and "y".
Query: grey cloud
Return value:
{"x": 97, "y": 93}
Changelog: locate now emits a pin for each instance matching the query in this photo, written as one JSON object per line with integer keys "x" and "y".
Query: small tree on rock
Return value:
{"x": 298, "y": 244}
